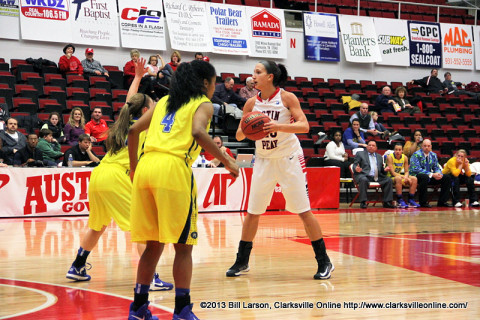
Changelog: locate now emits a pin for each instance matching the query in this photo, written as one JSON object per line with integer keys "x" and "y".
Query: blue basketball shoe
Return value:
{"x": 141, "y": 314}
{"x": 185, "y": 314}
{"x": 159, "y": 285}
{"x": 79, "y": 274}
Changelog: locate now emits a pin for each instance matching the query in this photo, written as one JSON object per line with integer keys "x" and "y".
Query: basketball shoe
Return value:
{"x": 413, "y": 204}
{"x": 159, "y": 285}
{"x": 241, "y": 263}
{"x": 402, "y": 204}
{"x": 324, "y": 271}
{"x": 185, "y": 314}
{"x": 79, "y": 274}
{"x": 141, "y": 314}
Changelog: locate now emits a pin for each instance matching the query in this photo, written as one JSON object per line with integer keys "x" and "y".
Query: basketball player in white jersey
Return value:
{"x": 279, "y": 159}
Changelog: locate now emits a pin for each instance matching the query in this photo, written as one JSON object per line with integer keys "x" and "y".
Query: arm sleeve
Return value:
{"x": 63, "y": 64}
{"x": 80, "y": 67}
{"x": 67, "y": 131}
{"x": 86, "y": 69}
{"x": 415, "y": 165}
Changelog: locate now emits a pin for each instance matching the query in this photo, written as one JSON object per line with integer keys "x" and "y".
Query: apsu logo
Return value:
{"x": 218, "y": 188}
{"x": 4, "y": 179}
{"x": 266, "y": 25}
{"x": 142, "y": 16}
{"x": 45, "y": 9}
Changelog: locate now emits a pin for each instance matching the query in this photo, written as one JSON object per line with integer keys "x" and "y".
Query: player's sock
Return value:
{"x": 399, "y": 197}
{"x": 81, "y": 258}
{"x": 141, "y": 295}
{"x": 411, "y": 196}
{"x": 320, "y": 251}
{"x": 182, "y": 299}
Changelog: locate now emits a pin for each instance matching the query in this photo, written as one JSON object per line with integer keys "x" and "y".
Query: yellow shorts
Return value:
{"x": 164, "y": 201}
{"x": 109, "y": 192}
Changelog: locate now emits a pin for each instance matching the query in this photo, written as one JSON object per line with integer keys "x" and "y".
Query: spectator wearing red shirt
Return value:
{"x": 175, "y": 59}
{"x": 129, "y": 68}
{"x": 97, "y": 127}
{"x": 68, "y": 63}
{"x": 215, "y": 162}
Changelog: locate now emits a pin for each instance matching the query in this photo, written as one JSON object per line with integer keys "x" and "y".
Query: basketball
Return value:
{"x": 252, "y": 125}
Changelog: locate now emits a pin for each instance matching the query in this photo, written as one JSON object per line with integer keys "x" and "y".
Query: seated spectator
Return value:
{"x": 452, "y": 87}
{"x": 29, "y": 155}
{"x": 384, "y": 133}
{"x": 414, "y": 144}
{"x": 248, "y": 91}
{"x": 336, "y": 156}
{"x": 93, "y": 67}
{"x": 175, "y": 59}
{"x": 49, "y": 147}
{"x": 424, "y": 165}
{"x": 403, "y": 103}
{"x": 53, "y": 124}
{"x": 213, "y": 161}
{"x": 431, "y": 83}
{"x": 153, "y": 68}
{"x": 12, "y": 140}
{"x": 82, "y": 153}
{"x": 2, "y": 156}
{"x": 368, "y": 167}
{"x": 75, "y": 126}
{"x": 397, "y": 162}
{"x": 366, "y": 122}
{"x": 225, "y": 100}
{"x": 385, "y": 102}
{"x": 353, "y": 137}
{"x": 199, "y": 56}
{"x": 97, "y": 127}
{"x": 129, "y": 68}
{"x": 68, "y": 63}
{"x": 458, "y": 170}
{"x": 4, "y": 115}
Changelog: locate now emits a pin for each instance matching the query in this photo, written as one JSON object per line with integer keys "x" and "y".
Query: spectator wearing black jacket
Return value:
{"x": 12, "y": 140}
{"x": 224, "y": 96}
{"x": 29, "y": 156}
{"x": 431, "y": 83}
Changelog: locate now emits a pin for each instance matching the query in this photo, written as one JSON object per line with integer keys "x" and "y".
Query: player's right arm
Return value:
{"x": 199, "y": 132}
{"x": 248, "y": 107}
{"x": 391, "y": 166}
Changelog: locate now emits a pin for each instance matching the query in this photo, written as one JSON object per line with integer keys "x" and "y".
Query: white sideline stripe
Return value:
{"x": 51, "y": 300}
{"x": 99, "y": 292}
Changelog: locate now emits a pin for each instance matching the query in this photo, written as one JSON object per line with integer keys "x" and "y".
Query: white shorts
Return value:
{"x": 290, "y": 173}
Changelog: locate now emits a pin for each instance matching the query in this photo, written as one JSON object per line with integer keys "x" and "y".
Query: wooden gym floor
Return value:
{"x": 389, "y": 264}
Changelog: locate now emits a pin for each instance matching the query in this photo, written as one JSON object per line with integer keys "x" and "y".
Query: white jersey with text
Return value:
{"x": 276, "y": 144}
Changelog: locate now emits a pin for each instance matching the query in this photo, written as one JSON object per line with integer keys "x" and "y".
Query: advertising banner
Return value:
{"x": 393, "y": 41}
{"x": 359, "y": 39}
{"x": 9, "y": 19}
{"x": 425, "y": 44}
{"x": 457, "y": 46}
{"x": 142, "y": 24}
{"x": 321, "y": 37}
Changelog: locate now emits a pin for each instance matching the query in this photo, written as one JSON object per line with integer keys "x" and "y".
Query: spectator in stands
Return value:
{"x": 12, "y": 140}
{"x": 353, "y": 137}
{"x": 199, "y": 56}
{"x": 82, "y": 153}
{"x": 129, "y": 68}
{"x": 368, "y": 167}
{"x": 404, "y": 104}
{"x": 424, "y": 165}
{"x": 54, "y": 125}
{"x": 153, "y": 75}
{"x": 414, "y": 144}
{"x": 175, "y": 59}
{"x": 397, "y": 162}
{"x": 4, "y": 115}
{"x": 366, "y": 122}
{"x": 92, "y": 67}
{"x": 224, "y": 99}
{"x": 385, "y": 102}
{"x": 75, "y": 126}
{"x": 97, "y": 128}
{"x": 49, "y": 148}
{"x": 68, "y": 63}
{"x": 431, "y": 83}
{"x": 29, "y": 155}
{"x": 209, "y": 157}
{"x": 384, "y": 133}
{"x": 2, "y": 156}
{"x": 452, "y": 87}
{"x": 458, "y": 170}
{"x": 336, "y": 156}
{"x": 248, "y": 91}
{"x": 153, "y": 68}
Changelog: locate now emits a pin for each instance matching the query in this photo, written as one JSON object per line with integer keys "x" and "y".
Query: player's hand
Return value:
{"x": 271, "y": 126}
{"x": 232, "y": 167}
{"x": 387, "y": 168}
{"x": 140, "y": 69}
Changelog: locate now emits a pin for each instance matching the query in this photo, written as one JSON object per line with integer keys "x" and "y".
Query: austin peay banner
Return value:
{"x": 94, "y": 22}
{"x": 62, "y": 191}
{"x": 187, "y": 25}
{"x": 228, "y": 29}
{"x": 425, "y": 44}
{"x": 359, "y": 39}
{"x": 46, "y": 20}
{"x": 142, "y": 24}
{"x": 321, "y": 37}
{"x": 9, "y": 19}
{"x": 392, "y": 38}
{"x": 268, "y": 36}
{"x": 457, "y": 46}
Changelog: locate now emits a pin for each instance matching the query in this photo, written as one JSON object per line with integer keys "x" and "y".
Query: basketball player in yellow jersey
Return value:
{"x": 398, "y": 164}
{"x": 110, "y": 187}
{"x": 164, "y": 208}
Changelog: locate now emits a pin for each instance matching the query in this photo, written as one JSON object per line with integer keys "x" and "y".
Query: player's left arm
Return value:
{"x": 299, "y": 126}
